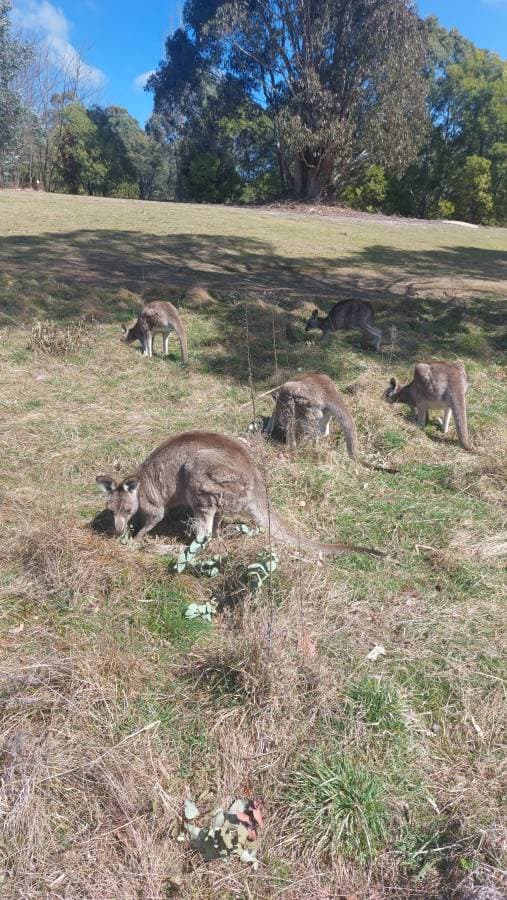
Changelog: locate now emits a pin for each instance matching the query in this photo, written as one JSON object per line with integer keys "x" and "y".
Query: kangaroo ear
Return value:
{"x": 315, "y": 313}
{"x": 106, "y": 483}
{"x": 124, "y": 328}
{"x": 393, "y": 384}
{"x": 131, "y": 485}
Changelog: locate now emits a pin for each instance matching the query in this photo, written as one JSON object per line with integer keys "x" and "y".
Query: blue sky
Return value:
{"x": 122, "y": 42}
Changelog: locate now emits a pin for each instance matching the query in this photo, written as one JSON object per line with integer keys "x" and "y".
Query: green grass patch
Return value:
{"x": 165, "y": 616}
{"x": 341, "y": 806}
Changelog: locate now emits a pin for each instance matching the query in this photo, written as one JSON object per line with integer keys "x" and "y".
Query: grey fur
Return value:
{"x": 305, "y": 405}
{"x": 159, "y": 317}
{"x": 212, "y": 475}
{"x": 436, "y": 385}
{"x": 347, "y": 314}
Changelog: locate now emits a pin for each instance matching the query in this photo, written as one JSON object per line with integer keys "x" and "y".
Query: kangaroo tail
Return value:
{"x": 459, "y": 411}
{"x": 282, "y": 533}
{"x": 340, "y": 412}
{"x": 180, "y": 332}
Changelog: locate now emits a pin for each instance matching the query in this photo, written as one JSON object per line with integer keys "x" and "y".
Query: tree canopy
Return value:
{"x": 14, "y": 55}
{"x": 359, "y": 101}
{"x": 338, "y": 79}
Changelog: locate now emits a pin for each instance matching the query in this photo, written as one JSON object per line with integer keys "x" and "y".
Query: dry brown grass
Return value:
{"x": 114, "y": 709}
{"x": 59, "y": 341}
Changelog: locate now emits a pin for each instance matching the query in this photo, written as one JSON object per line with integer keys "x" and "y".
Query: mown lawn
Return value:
{"x": 378, "y": 778}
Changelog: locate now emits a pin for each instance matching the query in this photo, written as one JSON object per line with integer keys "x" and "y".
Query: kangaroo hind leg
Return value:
{"x": 422, "y": 416}
{"x": 446, "y": 420}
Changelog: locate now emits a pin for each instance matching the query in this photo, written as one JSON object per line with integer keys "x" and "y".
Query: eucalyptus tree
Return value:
{"x": 341, "y": 80}
{"x": 14, "y": 55}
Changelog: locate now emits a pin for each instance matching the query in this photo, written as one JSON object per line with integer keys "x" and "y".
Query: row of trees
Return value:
{"x": 359, "y": 100}
{"x": 104, "y": 151}
{"x": 461, "y": 169}
{"x": 50, "y": 133}
{"x": 355, "y": 100}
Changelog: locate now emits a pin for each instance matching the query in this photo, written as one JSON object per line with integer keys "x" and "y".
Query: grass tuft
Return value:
{"x": 340, "y": 807}
{"x": 56, "y": 340}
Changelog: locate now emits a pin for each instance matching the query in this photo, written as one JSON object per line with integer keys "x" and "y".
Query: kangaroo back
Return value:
{"x": 163, "y": 313}
{"x": 351, "y": 313}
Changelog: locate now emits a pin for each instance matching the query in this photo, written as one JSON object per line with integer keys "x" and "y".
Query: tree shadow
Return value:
{"x": 458, "y": 261}
{"x": 106, "y": 272}
{"x": 108, "y": 258}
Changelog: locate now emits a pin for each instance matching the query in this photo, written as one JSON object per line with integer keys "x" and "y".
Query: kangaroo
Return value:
{"x": 158, "y": 317}
{"x": 210, "y": 473}
{"x": 347, "y": 314}
{"x": 305, "y": 405}
{"x": 436, "y": 385}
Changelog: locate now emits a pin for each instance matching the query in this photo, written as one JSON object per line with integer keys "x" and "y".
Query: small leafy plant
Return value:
{"x": 232, "y": 832}
{"x": 204, "y": 611}
{"x": 258, "y": 572}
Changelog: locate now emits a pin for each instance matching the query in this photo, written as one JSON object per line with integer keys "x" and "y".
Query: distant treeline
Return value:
{"x": 356, "y": 101}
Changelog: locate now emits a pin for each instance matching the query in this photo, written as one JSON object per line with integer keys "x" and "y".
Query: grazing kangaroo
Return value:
{"x": 347, "y": 314}
{"x": 305, "y": 405}
{"x": 158, "y": 317}
{"x": 436, "y": 385}
{"x": 210, "y": 473}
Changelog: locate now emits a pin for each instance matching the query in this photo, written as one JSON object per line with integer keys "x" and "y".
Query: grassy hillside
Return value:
{"x": 378, "y": 778}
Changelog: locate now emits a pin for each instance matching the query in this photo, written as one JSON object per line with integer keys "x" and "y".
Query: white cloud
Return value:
{"x": 140, "y": 81}
{"x": 48, "y": 23}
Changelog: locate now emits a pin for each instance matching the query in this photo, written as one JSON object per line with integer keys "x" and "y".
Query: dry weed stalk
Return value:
{"x": 59, "y": 340}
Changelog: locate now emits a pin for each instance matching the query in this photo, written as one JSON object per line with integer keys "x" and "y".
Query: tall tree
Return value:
{"x": 222, "y": 138}
{"x": 13, "y": 56}
{"x": 338, "y": 78}
{"x": 133, "y": 156}
{"x": 466, "y": 99}
{"x": 81, "y": 164}
{"x": 49, "y": 84}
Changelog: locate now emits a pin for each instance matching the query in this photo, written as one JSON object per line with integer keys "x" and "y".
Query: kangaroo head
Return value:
{"x": 391, "y": 395}
{"x": 313, "y": 321}
{"x": 122, "y": 499}
{"x": 131, "y": 334}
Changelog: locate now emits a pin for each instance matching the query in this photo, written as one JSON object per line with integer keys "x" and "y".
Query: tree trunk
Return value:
{"x": 285, "y": 174}
{"x": 310, "y": 181}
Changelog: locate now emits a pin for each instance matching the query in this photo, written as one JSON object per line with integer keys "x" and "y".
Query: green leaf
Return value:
{"x": 190, "y": 810}
{"x": 247, "y": 856}
{"x": 218, "y": 820}
{"x": 242, "y": 834}
{"x": 236, "y": 807}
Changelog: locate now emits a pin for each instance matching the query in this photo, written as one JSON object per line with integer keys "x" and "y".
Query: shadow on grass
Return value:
{"x": 176, "y": 524}
{"x": 107, "y": 258}
{"x": 104, "y": 272}
{"x": 277, "y": 340}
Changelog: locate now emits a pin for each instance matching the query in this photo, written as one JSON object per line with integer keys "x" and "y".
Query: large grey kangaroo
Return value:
{"x": 348, "y": 314}
{"x": 211, "y": 474}
{"x": 305, "y": 405}
{"x": 436, "y": 385}
{"x": 159, "y": 317}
